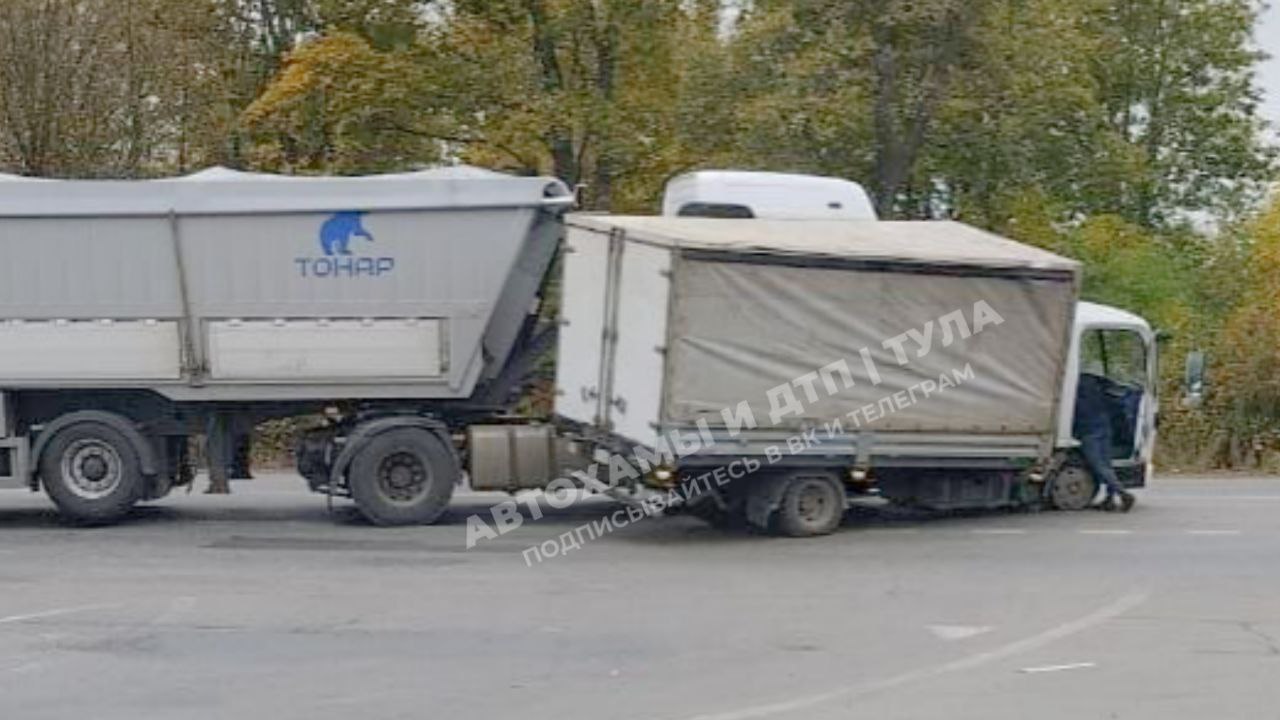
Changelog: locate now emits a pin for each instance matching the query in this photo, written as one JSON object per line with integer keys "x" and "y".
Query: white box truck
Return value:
{"x": 807, "y": 361}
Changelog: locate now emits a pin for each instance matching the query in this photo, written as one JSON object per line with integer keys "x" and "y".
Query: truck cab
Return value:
{"x": 1119, "y": 349}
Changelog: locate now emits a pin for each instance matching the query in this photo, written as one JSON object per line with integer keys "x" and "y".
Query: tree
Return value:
{"x": 590, "y": 90}
{"x": 1176, "y": 80}
{"x": 1245, "y": 382}
{"x": 341, "y": 105}
{"x": 1141, "y": 108}
{"x": 856, "y": 88}
{"x": 1024, "y": 121}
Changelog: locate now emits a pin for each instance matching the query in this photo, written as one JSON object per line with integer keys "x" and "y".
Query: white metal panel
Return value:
{"x": 582, "y": 312}
{"x": 84, "y": 269}
{"x": 640, "y": 359}
{"x": 89, "y": 351}
{"x": 321, "y": 349}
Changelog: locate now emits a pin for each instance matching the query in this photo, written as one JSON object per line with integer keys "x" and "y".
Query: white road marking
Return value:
{"x": 1106, "y": 532}
{"x": 1058, "y": 668}
{"x": 958, "y": 632}
{"x": 1118, "y": 607}
{"x": 49, "y": 613}
{"x": 1213, "y": 532}
{"x": 177, "y": 606}
{"x": 998, "y": 531}
{"x": 1218, "y": 498}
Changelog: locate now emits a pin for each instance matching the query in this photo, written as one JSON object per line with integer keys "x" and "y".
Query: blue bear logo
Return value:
{"x": 337, "y": 231}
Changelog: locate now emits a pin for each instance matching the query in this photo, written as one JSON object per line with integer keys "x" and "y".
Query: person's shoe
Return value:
{"x": 1108, "y": 505}
{"x": 1126, "y": 501}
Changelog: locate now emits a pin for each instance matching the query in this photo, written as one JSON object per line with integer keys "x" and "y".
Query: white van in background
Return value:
{"x": 766, "y": 195}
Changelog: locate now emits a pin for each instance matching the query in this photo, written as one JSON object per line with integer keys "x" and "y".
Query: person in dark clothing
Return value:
{"x": 1092, "y": 427}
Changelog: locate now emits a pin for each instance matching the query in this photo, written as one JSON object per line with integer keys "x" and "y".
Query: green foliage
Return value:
{"x": 340, "y": 105}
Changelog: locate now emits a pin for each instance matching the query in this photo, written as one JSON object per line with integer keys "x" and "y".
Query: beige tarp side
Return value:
{"x": 740, "y": 329}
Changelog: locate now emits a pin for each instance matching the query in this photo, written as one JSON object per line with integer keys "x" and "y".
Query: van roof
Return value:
{"x": 770, "y": 194}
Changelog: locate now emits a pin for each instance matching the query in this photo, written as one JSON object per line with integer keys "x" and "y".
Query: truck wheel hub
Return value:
{"x": 812, "y": 502}
{"x": 93, "y": 468}
{"x": 402, "y": 477}
{"x": 1073, "y": 488}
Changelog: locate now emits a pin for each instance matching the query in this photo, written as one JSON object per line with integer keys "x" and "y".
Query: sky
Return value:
{"x": 1268, "y": 40}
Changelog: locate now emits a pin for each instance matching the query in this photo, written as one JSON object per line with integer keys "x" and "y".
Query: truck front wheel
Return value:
{"x": 1073, "y": 488}
{"x": 92, "y": 473}
{"x": 403, "y": 476}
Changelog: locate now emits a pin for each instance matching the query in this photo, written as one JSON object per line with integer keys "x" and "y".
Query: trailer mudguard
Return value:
{"x": 368, "y": 430}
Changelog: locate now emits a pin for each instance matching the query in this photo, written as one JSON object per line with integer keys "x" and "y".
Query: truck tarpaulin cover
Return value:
{"x": 761, "y": 307}
{"x": 743, "y": 328}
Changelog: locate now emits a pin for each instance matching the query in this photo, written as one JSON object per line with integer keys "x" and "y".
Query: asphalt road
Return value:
{"x": 262, "y": 605}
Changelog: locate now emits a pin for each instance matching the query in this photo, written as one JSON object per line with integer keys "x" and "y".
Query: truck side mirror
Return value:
{"x": 1193, "y": 382}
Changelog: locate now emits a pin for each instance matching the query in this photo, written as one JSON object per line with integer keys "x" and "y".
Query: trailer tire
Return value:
{"x": 92, "y": 472}
{"x": 403, "y": 476}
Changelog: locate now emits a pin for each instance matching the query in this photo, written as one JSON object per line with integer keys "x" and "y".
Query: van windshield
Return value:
{"x": 725, "y": 211}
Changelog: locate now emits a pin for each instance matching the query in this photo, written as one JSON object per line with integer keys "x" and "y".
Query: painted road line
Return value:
{"x": 958, "y": 632}
{"x": 1217, "y": 498}
{"x": 1105, "y": 532}
{"x": 57, "y": 612}
{"x": 1058, "y": 668}
{"x": 801, "y": 705}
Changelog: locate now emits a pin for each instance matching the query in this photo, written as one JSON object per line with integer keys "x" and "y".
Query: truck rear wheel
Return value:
{"x": 811, "y": 504}
{"x": 798, "y": 504}
{"x": 403, "y": 476}
{"x": 92, "y": 473}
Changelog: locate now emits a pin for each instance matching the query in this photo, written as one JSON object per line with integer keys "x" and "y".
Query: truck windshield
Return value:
{"x": 1118, "y": 355}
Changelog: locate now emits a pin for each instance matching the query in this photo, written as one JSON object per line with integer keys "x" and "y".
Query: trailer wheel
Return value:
{"x": 403, "y": 476}
{"x": 92, "y": 473}
{"x": 1073, "y": 488}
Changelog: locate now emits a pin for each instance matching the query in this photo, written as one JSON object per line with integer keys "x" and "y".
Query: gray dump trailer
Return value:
{"x": 806, "y": 361}
{"x": 136, "y": 314}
